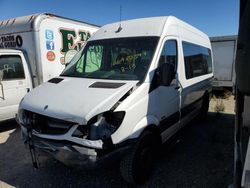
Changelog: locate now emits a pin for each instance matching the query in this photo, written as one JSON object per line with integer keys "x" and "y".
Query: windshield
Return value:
{"x": 115, "y": 59}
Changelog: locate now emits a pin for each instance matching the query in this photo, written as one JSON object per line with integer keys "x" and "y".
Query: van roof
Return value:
{"x": 151, "y": 26}
{"x": 31, "y": 23}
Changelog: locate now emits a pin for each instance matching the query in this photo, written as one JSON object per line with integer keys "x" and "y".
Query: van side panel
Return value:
{"x": 193, "y": 89}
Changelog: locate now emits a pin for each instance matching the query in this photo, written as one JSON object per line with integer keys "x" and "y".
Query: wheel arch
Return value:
{"x": 149, "y": 122}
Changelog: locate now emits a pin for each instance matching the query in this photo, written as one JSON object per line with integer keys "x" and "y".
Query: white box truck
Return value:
{"x": 34, "y": 49}
{"x": 131, "y": 88}
{"x": 224, "y": 52}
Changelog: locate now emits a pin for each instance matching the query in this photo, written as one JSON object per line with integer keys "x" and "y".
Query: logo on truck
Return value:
{"x": 50, "y": 45}
{"x": 72, "y": 40}
{"x": 51, "y": 56}
{"x": 49, "y": 35}
{"x": 11, "y": 41}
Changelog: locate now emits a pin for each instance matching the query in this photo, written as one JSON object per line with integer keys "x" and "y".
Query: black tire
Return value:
{"x": 204, "y": 107}
{"x": 137, "y": 164}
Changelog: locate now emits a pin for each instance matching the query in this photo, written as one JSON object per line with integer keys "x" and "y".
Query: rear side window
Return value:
{"x": 12, "y": 67}
{"x": 197, "y": 59}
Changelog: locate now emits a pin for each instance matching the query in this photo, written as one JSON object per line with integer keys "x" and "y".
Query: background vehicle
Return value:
{"x": 132, "y": 86}
{"x": 33, "y": 50}
{"x": 242, "y": 103}
{"x": 224, "y": 52}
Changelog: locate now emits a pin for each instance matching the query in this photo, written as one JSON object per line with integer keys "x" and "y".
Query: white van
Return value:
{"x": 132, "y": 86}
{"x": 34, "y": 49}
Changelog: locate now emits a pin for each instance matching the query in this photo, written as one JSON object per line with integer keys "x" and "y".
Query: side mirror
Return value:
{"x": 166, "y": 74}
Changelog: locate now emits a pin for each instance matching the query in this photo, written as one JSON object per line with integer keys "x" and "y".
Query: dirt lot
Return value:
{"x": 203, "y": 157}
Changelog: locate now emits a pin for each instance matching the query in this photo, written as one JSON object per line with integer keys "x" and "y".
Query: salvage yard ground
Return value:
{"x": 202, "y": 157}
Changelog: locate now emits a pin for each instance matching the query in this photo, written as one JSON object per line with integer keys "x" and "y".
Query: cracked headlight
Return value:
{"x": 105, "y": 124}
{"x": 20, "y": 116}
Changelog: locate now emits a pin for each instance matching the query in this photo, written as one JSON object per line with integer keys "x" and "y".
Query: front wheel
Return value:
{"x": 136, "y": 165}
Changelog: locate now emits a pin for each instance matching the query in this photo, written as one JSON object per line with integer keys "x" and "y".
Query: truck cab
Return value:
{"x": 15, "y": 81}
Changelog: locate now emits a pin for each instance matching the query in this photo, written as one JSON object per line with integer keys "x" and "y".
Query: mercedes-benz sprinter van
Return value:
{"x": 132, "y": 86}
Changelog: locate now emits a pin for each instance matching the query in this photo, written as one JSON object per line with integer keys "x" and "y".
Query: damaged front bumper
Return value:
{"x": 74, "y": 151}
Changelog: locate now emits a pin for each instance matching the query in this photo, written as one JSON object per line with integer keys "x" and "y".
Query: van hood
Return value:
{"x": 75, "y": 99}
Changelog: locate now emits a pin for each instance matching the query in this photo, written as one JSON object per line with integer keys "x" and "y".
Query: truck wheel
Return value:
{"x": 204, "y": 107}
{"x": 136, "y": 165}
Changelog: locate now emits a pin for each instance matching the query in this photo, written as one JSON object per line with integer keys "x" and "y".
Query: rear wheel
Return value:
{"x": 136, "y": 165}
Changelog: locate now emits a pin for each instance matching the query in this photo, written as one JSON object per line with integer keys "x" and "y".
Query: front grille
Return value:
{"x": 48, "y": 125}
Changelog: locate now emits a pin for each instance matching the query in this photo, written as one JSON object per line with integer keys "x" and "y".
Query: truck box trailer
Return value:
{"x": 224, "y": 50}
{"x": 34, "y": 49}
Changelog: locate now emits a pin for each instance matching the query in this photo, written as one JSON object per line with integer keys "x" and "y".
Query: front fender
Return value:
{"x": 142, "y": 124}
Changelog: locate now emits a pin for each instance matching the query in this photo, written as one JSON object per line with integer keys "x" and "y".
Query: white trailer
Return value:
{"x": 34, "y": 49}
{"x": 224, "y": 51}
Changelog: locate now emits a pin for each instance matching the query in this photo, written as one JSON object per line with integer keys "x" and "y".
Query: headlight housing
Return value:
{"x": 105, "y": 124}
{"x": 20, "y": 116}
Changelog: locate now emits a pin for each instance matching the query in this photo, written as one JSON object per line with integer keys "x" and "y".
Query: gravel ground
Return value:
{"x": 202, "y": 157}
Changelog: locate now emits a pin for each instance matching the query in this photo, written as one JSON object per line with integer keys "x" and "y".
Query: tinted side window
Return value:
{"x": 169, "y": 53}
{"x": 197, "y": 60}
{"x": 12, "y": 67}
